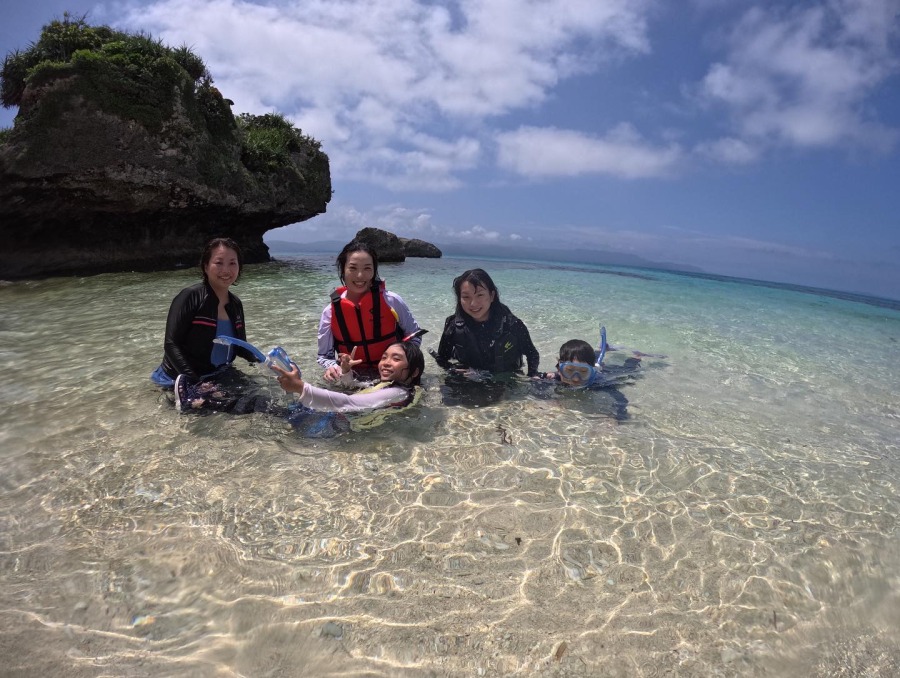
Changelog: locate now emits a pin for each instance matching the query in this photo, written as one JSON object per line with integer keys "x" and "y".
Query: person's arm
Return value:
{"x": 326, "y": 357}
{"x": 334, "y": 401}
{"x": 178, "y": 324}
{"x": 405, "y": 319}
{"x": 527, "y": 347}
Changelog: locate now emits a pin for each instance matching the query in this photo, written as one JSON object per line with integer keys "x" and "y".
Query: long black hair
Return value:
{"x": 577, "y": 350}
{"x": 476, "y": 277}
{"x": 415, "y": 361}
{"x": 212, "y": 246}
{"x": 350, "y": 248}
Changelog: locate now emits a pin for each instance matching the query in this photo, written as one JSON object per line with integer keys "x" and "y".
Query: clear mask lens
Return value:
{"x": 576, "y": 374}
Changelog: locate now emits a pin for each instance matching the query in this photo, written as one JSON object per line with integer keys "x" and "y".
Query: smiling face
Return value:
{"x": 393, "y": 365}
{"x": 358, "y": 274}
{"x": 476, "y": 301}
{"x": 223, "y": 268}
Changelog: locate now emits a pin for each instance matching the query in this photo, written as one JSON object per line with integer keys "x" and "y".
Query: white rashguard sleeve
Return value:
{"x": 334, "y": 401}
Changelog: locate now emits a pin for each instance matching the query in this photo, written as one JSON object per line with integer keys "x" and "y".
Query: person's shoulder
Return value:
{"x": 192, "y": 290}
{"x": 393, "y": 297}
{"x": 195, "y": 287}
{"x": 517, "y": 321}
{"x": 512, "y": 317}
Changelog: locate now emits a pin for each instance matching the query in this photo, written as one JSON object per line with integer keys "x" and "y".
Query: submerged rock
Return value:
{"x": 332, "y": 630}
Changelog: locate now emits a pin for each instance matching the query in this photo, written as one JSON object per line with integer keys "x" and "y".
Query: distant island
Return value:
{"x": 480, "y": 251}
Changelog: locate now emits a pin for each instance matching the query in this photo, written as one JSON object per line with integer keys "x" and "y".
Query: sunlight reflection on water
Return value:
{"x": 739, "y": 519}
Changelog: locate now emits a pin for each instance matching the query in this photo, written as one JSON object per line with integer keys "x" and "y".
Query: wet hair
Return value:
{"x": 215, "y": 244}
{"x": 476, "y": 277}
{"x": 577, "y": 351}
{"x": 350, "y": 248}
{"x": 415, "y": 361}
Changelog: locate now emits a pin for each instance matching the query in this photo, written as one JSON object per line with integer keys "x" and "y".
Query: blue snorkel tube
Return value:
{"x": 601, "y": 352}
{"x": 277, "y": 356}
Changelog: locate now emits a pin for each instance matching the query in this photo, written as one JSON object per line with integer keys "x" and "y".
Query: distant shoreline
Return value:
{"x": 582, "y": 256}
{"x": 285, "y": 248}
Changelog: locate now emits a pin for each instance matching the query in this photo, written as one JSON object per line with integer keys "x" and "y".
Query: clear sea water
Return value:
{"x": 741, "y": 520}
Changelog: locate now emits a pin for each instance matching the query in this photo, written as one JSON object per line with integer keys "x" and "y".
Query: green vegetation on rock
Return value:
{"x": 125, "y": 156}
{"x": 169, "y": 92}
{"x": 269, "y": 140}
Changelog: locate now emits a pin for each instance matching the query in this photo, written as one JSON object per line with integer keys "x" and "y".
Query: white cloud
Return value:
{"x": 729, "y": 151}
{"x": 342, "y": 222}
{"x": 476, "y": 233}
{"x": 417, "y": 161}
{"x": 743, "y": 245}
{"x": 801, "y": 76}
{"x": 549, "y": 152}
{"x": 374, "y": 80}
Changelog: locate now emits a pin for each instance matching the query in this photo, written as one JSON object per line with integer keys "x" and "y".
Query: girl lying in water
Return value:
{"x": 399, "y": 370}
{"x": 319, "y": 412}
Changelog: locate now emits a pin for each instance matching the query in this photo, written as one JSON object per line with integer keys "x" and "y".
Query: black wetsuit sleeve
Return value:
{"x": 523, "y": 341}
{"x": 178, "y": 324}
{"x": 445, "y": 347}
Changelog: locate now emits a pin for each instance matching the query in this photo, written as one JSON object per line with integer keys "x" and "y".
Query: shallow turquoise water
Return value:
{"x": 742, "y": 520}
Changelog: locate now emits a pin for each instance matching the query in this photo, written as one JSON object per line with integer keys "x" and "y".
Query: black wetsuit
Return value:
{"x": 497, "y": 344}
{"x": 191, "y": 328}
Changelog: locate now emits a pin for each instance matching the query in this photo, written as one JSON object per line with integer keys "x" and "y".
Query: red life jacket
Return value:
{"x": 370, "y": 325}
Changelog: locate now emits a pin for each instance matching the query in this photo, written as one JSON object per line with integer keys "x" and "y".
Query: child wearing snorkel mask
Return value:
{"x": 581, "y": 366}
{"x": 578, "y": 365}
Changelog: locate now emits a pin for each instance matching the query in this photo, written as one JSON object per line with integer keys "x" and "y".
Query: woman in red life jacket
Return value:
{"x": 362, "y": 314}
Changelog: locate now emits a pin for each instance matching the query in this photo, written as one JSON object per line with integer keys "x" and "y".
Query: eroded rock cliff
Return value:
{"x": 123, "y": 156}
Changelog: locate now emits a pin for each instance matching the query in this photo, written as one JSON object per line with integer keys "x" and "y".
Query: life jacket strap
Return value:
{"x": 338, "y": 314}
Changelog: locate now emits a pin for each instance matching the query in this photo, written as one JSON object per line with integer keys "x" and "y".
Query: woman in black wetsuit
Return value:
{"x": 483, "y": 334}
{"x": 201, "y": 312}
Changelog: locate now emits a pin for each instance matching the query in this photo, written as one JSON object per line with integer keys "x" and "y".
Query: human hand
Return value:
{"x": 332, "y": 373}
{"x": 290, "y": 381}
{"x": 348, "y": 361}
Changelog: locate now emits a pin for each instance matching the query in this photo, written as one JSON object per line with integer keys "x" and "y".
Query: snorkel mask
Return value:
{"x": 582, "y": 375}
{"x": 577, "y": 375}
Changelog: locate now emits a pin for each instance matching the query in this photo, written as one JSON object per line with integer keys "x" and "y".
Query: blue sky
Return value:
{"x": 753, "y": 139}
